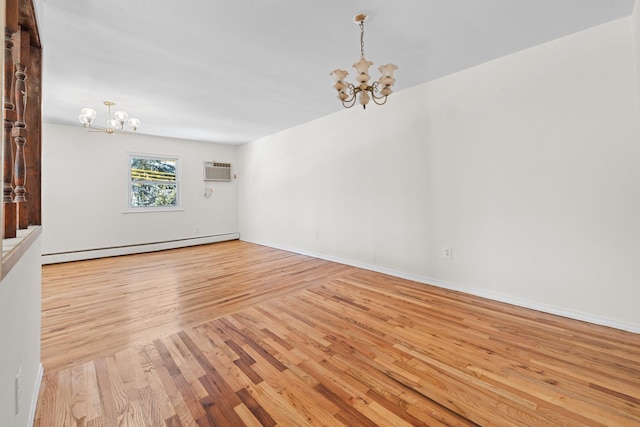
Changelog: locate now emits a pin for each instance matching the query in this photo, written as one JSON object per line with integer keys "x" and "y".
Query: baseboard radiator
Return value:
{"x": 54, "y": 258}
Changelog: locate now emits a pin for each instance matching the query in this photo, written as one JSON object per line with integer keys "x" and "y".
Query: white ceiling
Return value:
{"x": 234, "y": 71}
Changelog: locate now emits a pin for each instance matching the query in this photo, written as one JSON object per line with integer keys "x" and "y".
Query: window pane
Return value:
{"x": 143, "y": 194}
{"x": 153, "y": 181}
{"x": 144, "y": 169}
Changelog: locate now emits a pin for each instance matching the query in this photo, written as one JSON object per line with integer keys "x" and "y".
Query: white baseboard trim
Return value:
{"x": 135, "y": 249}
{"x": 520, "y": 302}
{"x": 34, "y": 398}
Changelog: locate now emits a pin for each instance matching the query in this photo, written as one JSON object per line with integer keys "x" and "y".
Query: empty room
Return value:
{"x": 338, "y": 213}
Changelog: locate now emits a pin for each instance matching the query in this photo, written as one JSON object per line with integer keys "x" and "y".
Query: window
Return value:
{"x": 153, "y": 182}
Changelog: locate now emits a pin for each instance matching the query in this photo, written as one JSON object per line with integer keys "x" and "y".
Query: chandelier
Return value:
{"x": 115, "y": 124}
{"x": 379, "y": 90}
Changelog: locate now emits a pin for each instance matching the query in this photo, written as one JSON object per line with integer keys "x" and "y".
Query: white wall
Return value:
{"x": 527, "y": 166}
{"x": 20, "y": 330}
{"x": 635, "y": 24}
{"x": 20, "y": 337}
{"x": 85, "y": 191}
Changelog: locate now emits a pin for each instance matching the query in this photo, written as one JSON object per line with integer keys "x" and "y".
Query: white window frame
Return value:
{"x": 130, "y": 207}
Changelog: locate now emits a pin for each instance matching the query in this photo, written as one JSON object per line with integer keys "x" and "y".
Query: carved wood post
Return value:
{"x": 7, "y": 170}
{"x": 33, "y": 151}
{"x": 8, "y": 68}
{"x": 21, "y": 146}
{"x": 19, "y": 134}
{"x": 10, "y": 224}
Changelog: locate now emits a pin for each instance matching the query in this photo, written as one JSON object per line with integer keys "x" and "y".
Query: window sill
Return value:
{"x": 148, "y": 210}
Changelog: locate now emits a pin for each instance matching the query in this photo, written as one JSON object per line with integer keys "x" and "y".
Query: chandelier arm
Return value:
{"x": 351, "y": 100}
{"x": 375, "y": 88}
{"x": 92, "y": 128}
{"x": 375, "y": 100}
{"x": 374, "y": 96}
{"x": 353, "y": 90}
{"x": 345, "y": 105}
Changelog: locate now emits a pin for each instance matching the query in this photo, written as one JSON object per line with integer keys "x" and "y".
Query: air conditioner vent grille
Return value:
{"x": 215, "y": 171}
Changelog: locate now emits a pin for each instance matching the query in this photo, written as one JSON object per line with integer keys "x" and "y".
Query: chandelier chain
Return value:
{"x": 362, "y": 38}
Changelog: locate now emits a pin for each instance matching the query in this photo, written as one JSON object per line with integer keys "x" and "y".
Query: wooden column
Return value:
{"x": 10, "y": 213}
{"x": 20, "y": 132}
{"x": 33, "y": 148}
{"x": 22, "y": 120}
{"x": 8, "y": 68}
{"x": 9, "y": 208}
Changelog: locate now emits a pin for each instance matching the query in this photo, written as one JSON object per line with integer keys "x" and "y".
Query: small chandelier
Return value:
{"x": 363, "y": 91}
{"x": 115, "y": 124}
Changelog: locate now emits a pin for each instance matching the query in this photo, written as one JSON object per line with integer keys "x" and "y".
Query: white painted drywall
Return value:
{"x": 527, "y": 166}
{"x": 39, "y": 8}
{"x": 635, "y": 24}
{"x": 84, "y": 191}
{"x": 20, "y": 337}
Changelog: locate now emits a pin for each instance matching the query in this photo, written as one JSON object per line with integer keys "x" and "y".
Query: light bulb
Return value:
{"x": 89, "y": 113}
{"x": 121, "y": 117}
{"x": 362, "y": 66}
{"x": 339, "y": 75}
{"x": 363, "y": 77}
{"x": 340, "y": 85}
{"x": 112, "y": 124}
{"x": 134, "y": 123}
{"x": 386, "y": 91}
{"x": 387, "y": 81}
{"x": 387, "y": 69}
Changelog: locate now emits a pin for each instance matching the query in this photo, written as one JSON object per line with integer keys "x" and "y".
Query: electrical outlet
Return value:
{"x": 447, "y": 252}
{"x": 317, "y": 235}
{"x": 18, "y": 389}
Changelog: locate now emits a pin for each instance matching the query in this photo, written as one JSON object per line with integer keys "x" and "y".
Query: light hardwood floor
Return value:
{"x": 235, "y": 334}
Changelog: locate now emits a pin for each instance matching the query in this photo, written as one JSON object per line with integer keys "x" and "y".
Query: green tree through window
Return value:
{"x": 153, "y": 182}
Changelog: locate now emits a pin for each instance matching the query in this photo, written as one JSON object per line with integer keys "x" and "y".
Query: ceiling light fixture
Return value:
{"x": 363, "y": 91}
{"x": 114, "y": 125}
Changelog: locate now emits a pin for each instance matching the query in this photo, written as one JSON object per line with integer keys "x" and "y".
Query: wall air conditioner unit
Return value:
{"x": 214, "y": 171}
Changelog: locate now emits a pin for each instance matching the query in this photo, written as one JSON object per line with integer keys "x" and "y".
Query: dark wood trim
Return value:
{"x": 22, "y": 123}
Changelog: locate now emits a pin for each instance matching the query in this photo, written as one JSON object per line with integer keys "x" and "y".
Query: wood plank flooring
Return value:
{"x": 235, "y": 334}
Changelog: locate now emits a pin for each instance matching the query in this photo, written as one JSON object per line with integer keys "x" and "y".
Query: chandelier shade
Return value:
{"x": 362, "y": 92}
{"x": 115, "y": 124}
